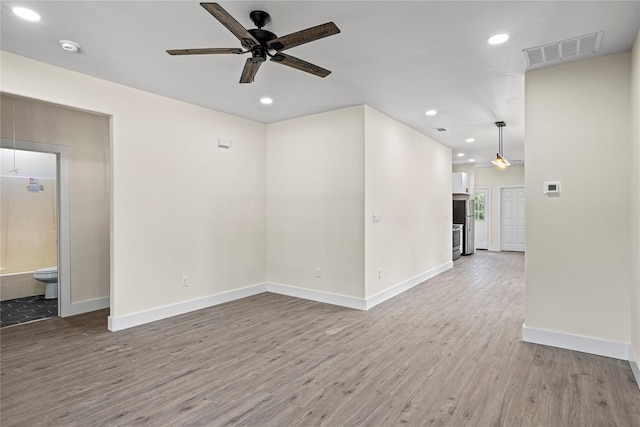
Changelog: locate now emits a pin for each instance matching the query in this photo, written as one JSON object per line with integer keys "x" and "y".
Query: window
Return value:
{"x": 479, "y": 207}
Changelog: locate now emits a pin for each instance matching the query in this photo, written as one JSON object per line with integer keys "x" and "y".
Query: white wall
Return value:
{"x": 577, "y": 260}
{"x": 327, "y": 175}
{"x": 179, "y": 205}
{"x": 635, "y": 198}
{"x": 494, "y": 178}
{"x": 407, "y": 182}
{"x": 315, "y": 181}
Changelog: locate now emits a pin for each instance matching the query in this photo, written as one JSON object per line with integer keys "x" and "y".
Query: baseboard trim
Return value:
{"x": 136, "y": 319}
{"x": 86, "y": 306}
{"x": 616, "y": 350}
{"x": 395, "y": 290}
{"x": 633, "y": 361}
{"x": 318, "y": 296}
{"x": 493, "y": 248}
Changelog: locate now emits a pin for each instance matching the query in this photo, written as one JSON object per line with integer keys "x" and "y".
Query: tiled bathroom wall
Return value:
{"x": 28, "y": 236}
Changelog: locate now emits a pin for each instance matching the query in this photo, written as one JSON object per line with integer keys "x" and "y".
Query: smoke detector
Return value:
{"x": 69, "y": 46}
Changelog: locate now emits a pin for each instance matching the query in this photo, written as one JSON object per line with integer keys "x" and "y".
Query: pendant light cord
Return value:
{"x": 500, "y": 125}
{"x": 15, "y": 170}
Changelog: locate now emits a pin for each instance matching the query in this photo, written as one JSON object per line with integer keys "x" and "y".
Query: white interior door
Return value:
{"x": 482, "y": 217}
{"x": 513, "y": 226}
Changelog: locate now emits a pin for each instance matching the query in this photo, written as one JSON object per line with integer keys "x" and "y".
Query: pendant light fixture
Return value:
{"x": 500, "y": 161}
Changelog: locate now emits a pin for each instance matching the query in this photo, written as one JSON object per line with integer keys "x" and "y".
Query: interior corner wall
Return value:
{"x": 494, "y": 178}
{"x": 180, "y": 206}
{"x": 87, "y": 135}
{"x": 635, "y": 198}
{"x": 315, "y": 193}
{"x": 407, "y": 183}
{"x": 578, "y": 259}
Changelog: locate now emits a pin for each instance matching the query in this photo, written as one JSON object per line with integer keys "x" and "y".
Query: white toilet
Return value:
{"x": 48, "y": 275}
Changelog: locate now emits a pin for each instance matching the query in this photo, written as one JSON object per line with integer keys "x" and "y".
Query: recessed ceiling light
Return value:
{"x": 69, "y": 46}
{"x": 266, "y": 101}
{"x": 431, "y": 112}
{"x": 472, "y": 160}
{"x": 498, "y": 39}
{"x": 27, "y": 14}
{"x": 460, "y": 154}
{"x": 470, "y": 139}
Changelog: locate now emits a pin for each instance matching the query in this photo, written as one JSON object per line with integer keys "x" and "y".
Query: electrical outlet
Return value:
{"x": 318, "y": 272}
{"x": 379, "y": 273}
{"x": 185, "y": 281}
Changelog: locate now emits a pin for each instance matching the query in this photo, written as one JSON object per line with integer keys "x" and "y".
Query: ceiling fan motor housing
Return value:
{"x": 263, "y": 36}
{"x": 259, "y": 52}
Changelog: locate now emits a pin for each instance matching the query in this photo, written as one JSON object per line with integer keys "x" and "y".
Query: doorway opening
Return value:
{"x": 35, "y": 231}
{"x": 29, "y": 255}
{"x": 81, "y": 141}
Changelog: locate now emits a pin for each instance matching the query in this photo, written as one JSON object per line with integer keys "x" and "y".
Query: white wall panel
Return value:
{"x": 578, "y": 250}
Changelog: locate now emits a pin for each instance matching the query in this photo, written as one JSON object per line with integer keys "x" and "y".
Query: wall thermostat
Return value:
{"x": 552, "y": 187}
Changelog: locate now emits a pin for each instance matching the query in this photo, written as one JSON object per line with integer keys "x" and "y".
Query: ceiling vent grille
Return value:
{"x": 582, "y": 45}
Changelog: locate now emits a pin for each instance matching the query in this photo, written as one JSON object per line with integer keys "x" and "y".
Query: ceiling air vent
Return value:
{"x": 582, "y": 45}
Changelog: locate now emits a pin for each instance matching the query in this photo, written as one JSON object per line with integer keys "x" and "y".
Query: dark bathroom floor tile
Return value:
{"x": 27, "y": 309}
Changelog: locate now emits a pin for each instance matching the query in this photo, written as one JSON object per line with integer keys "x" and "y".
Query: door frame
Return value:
{"x": 62, "y": 207}
{"x": 500, "y": 210}
{"x": 487, "y": 212}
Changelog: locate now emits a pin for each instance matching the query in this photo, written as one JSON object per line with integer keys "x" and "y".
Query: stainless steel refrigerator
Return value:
{"x": 463, "y": 213}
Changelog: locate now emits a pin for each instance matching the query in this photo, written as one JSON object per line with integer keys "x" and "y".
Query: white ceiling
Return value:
{"x": 399, "y": 57}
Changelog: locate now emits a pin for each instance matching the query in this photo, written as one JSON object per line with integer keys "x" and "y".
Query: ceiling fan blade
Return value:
{"x": 205, "y": 51}
{"x": 299, "y": 64}
{"x": 304, "y": 36}
{"x": 232, "y": 25}
{"x": 249, "y": 71}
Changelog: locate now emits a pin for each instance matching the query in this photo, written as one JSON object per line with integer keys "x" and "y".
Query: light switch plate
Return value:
{"x": 224, "y": 143}
{"x": 377, "y": 218}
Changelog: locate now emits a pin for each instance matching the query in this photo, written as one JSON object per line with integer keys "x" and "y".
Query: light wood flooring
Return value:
{"x": 446, "y": 353}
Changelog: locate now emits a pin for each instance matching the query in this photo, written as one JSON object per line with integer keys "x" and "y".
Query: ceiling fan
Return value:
{"x": 262, "y": 43}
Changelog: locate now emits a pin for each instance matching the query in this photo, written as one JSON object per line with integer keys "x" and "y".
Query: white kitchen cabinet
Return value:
{"x": 460, "y": 183}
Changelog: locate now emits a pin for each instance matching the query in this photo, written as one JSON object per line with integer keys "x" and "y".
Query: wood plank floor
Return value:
{"x": 446, "y": 353}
